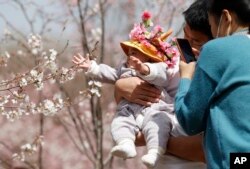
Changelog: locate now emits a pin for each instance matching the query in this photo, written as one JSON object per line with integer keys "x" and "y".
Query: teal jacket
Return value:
{"x": 217, "y": 100}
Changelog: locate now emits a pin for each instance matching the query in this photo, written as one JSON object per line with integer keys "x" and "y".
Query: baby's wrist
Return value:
{"x": 145, "y": 70}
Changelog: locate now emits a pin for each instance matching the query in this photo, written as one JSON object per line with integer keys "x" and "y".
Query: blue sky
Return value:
{"x": 11, "y": 11}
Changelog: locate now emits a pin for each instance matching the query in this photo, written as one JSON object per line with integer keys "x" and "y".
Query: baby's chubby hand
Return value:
{"x": 138, "y": 65}
{"x": 82, "y": 62}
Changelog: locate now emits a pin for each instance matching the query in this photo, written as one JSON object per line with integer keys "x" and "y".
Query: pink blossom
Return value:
{"x": 164, "y": 45}
{"x": 157, "y": 29}
{"x": 170, "y": 63}
{"x": 169, "y": 52}
{"x": 137, "y": 33}
{"x": 146, "y": 15}
{"x": 175, "y": 52}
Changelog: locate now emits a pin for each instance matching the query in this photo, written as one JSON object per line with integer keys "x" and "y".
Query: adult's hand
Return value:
{"x": 137, "y": 91}
{"x": 187, "y": 69}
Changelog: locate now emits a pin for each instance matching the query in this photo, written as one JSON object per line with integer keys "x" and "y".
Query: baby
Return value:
{"x": 156, "y": 62}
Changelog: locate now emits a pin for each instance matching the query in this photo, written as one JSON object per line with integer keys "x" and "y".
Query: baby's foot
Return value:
{"x": 125, "y": 149}
{"x": 150, "y": 159}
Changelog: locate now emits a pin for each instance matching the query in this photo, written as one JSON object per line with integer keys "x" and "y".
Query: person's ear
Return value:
{"x": 227, "y": 16}
{"x": 226, "y": 21}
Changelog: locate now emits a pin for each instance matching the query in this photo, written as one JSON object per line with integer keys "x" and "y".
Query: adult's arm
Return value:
{"x": 185, "y": 147}
{"x": 136, "y": 90}
{"x": 192, "y": 101}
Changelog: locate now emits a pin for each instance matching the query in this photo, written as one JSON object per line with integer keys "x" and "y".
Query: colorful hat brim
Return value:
{"x": 151, "y": 51}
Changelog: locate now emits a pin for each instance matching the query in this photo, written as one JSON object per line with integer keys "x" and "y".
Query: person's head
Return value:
{"x": 228, "y": 16}
{"x": 143, "y": 52}
{"x": 197, "y": 29}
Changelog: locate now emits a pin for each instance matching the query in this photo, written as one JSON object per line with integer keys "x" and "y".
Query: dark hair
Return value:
{"x": 240, "y": 7}
{"x": 197, "y": 18}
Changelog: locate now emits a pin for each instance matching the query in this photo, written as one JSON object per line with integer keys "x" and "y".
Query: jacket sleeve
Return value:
{"x": 157, "y": 75}
{"x": 192, "y": 101}
{"x": 102, "y": 72}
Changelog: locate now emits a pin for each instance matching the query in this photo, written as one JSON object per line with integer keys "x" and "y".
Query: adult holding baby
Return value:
{"x": 212, "y": 93}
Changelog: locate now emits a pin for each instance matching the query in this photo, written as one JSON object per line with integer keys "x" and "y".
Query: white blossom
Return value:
{"x": 28, "y": 149}
{"x": 14, "y": 101}
{"x": 94, "y": 87}
{"x": 66, "y": 75}
{"x": 95, "y": 91}
{"x": 36, "y": 78}
{"x": 35, "y": 43}
{"x": 33, "y": 73}
{"x": 4, "y": 58}
{"x": 23, "y": 82}
{"x": 20, "y": 52}
{"x": 53, "y": 54}
{"x": 12, "y": 115}
{"x": 49, "y": 108}
{"x": 4, "y": 100}
{"x": 97, "y": 84}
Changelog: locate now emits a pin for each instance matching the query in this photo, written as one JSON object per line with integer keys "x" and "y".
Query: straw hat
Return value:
{"x": 151, "y": 42}
{"x": 152, "y": 49}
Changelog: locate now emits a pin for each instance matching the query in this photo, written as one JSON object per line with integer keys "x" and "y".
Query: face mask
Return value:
{"x": 218, "y": 29}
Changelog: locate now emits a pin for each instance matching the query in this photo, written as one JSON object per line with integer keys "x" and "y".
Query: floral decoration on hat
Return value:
{"x": 152, "y": 41}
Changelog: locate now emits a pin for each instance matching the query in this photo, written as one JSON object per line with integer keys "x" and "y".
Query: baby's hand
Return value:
{"x": 82, "y": 62}
{"x": 138, "y": 65}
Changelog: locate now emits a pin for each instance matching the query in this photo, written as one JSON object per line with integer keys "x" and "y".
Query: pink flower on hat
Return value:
{"x": 156, "y": 31}
{"x": 137, "y": 33}
{"x": 146, "y": 15}
{"x": 146, "y": 19}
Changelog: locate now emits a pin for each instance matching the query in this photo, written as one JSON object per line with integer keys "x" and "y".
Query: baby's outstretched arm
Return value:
{"x": 82, "y": 62}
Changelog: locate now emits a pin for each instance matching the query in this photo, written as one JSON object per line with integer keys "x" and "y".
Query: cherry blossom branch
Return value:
{"x": 83, "y": 31}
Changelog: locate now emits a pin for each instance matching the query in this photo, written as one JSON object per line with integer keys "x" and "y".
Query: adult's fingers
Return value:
{"x": 143, "y": 102}
{"x": 149, "y": 89}
{"x": 148, "y": 99}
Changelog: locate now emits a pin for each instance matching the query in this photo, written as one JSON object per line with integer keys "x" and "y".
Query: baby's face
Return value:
{"x": 137, "y": 54}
